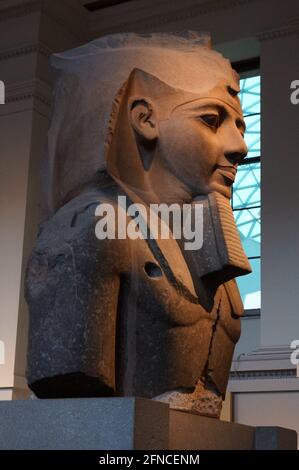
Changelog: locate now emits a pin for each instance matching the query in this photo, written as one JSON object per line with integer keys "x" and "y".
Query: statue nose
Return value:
{"x": 234, "y": 146}
{"x": 236, "y": 157}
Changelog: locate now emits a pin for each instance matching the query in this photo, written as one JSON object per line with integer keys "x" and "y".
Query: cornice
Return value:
{"x": 282, "y": 352}
{"x": 26, "y": 49}
{"x": 263, "y": 374}
{"x": 268, "y": 359}
{"x": 286, "y": 30}
{"x": 26, "y": 90}
{"x": 204, "y": 8}
{"x": 179, "y": 12}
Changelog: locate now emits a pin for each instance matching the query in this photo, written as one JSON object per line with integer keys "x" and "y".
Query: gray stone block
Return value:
{"x": 83, "y": 423}
{"x": 125, "y": 424}
{"x": 275, "y": 437}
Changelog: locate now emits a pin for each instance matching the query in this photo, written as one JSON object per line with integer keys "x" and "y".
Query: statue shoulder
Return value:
{"x": 68, "y": 241}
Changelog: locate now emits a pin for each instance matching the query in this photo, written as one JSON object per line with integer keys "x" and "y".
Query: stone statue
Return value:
{"x": 154, "y": 118}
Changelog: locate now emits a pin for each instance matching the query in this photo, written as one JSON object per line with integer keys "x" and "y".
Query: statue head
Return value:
{"x": 173, "y": 99}
{"x": 171, "y": 145}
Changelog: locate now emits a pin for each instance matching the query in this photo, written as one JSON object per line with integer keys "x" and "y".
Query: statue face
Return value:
{"x": 202, "y": 144}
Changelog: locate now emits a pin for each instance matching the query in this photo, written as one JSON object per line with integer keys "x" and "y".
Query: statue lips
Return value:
{"x": 228, "y": 172}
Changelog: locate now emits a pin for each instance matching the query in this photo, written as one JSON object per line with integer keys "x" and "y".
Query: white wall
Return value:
{"x": 24, "y": 120}
{"x": 15, "y": 138}
{"x": 267, "y": 409}
{"x": 5, "y": 394}
{"x": 280, "y": 170}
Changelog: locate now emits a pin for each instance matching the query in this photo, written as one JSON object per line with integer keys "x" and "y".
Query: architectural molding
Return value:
{"x": 18, "y": 51}
{"x": 264, "y": 359}
{"x": 287, "y": 30}
{"x": 26, "y": 49}
{"x": 270, "y": 352}
{"x": 144, "y": 19}
{"x": 36, "y": 89}
{"x": 263, "y": 374}
{"x": 264, "y": 370}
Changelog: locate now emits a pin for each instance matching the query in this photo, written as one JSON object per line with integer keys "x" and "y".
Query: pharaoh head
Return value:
{"x": 169, "y": 99}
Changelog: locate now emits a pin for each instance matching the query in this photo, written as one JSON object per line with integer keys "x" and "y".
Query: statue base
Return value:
{"x": 125, "y": 424}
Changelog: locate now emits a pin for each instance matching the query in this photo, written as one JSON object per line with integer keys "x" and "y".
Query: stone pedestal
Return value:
{"x": 125, "y": 424}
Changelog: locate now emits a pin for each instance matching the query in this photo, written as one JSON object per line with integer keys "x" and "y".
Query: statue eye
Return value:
{"x": 211, "y": 120}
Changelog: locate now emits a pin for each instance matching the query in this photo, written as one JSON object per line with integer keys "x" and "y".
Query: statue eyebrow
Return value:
{"x": 211, "y": 102}
{"x": 194, "y": 106}
{"x": 207, "y": 106}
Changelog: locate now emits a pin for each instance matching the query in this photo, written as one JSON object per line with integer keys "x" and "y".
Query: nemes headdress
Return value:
{"x": 90, "y": 77}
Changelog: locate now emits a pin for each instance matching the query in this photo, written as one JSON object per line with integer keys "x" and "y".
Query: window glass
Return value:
{"x": 246, "y": 198}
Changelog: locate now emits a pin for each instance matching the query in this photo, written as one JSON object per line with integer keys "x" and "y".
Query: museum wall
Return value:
{"x": 30, "y": 31}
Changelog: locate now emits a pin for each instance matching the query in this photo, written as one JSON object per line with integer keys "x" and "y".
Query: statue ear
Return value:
{"x": 143, "y": 118}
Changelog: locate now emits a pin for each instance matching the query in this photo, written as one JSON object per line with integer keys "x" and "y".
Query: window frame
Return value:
{"x": 246, "y": 69}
